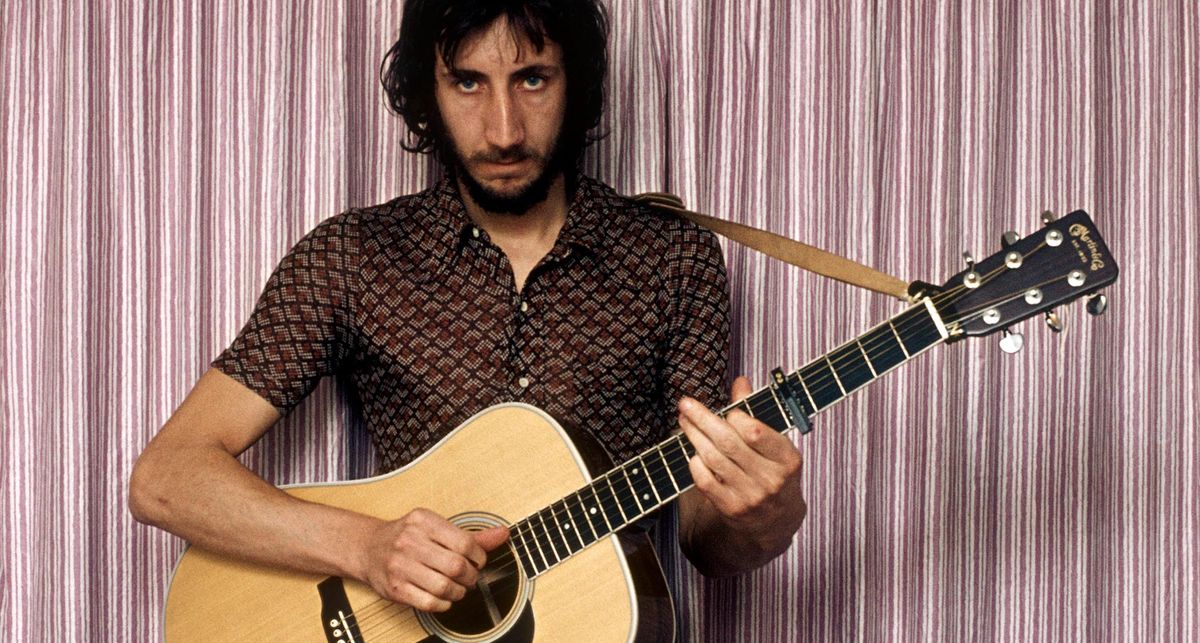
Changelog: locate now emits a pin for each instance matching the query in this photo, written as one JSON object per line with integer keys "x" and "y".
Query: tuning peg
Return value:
{"x": 1048, "y": 217}
{"x": 1097, "y": 303}
{"x": 1053, "y": 321}
{"x": 972, "y": 278}
{"x": 1011, "y": 342}
{"x": 1009, "y": 238}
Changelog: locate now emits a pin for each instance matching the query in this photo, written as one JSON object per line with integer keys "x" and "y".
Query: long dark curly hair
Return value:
{"x": 579, "y": 27}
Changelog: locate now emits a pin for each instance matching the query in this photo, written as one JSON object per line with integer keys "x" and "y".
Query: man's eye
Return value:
{"x": 533, "y": 82}
{"x": 468, "y": 85}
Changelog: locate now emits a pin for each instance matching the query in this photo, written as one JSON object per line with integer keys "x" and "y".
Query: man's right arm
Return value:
{"x": 188, "y": 481}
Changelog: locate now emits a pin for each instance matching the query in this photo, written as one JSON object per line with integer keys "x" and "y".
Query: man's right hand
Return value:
{"x": 424, "y": 561}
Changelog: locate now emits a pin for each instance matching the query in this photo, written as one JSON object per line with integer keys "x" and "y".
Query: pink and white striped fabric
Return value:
{"x": 159, "y": 158}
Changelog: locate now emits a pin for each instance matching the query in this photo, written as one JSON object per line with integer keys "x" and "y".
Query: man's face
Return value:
{"x": 502, "y": 107}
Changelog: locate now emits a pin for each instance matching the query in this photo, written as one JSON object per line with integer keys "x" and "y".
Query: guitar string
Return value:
{"x": 369, "y": 631}
{"x": 621, "y": 495}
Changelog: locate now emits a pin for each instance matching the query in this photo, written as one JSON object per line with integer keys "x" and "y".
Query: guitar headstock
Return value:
{"x": 1063, "y": 261}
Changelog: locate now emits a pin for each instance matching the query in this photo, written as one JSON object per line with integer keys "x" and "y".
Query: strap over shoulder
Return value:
{"x": 785, "y": 249}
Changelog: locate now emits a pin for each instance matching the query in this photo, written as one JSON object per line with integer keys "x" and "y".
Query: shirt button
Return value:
{"x": 475, "y": 231}
{"x": 523, "y": 382}
{"x": 524, "y": 306}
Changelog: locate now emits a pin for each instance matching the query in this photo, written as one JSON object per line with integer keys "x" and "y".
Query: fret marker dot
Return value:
{"x": 566, "y": 527}
{"x": 645, "y": 496}
{"x": 635, "y": 469}
{"x": 592, "y": 510}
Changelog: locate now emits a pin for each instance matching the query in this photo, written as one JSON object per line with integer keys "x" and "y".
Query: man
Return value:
{"x": 513, "y": 279}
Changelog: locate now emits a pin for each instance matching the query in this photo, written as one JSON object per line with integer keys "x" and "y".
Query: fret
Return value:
{"x": 744, "y": 407}
{"x": 883, "y": 348}
{"x": 556, "y": 549}
{"x": 662, "y": 457}
{"x": 901, "y": 342}
{"x": 632, "y": 511}
{"x": 658, "y": 474}
{"x": 609, "y": 506}
{"x": 546, "y": 564}
{"x": 805, "y": 402}
{"x": 642, "y": 484}
{"x": 616, "y": 500}
{"x": 812, "y": 405}
{"x": 775, "y": 398}
{"x": 851, "y": 367}
{"x": 577, "y": 511}
{"x": 837, "y": 380}
{"x": 594, "y": 509}
{"x": 818, "y": 380}
{"x": 562, "y": 517}
{"x": 527, "y": 561}
{"x": 770, "y": 410}
{"x": 675, "y": 452}
{"x": 866, "y": 359}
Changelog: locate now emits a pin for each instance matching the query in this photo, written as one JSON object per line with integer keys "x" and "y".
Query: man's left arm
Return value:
{"x": 747, "y": 502}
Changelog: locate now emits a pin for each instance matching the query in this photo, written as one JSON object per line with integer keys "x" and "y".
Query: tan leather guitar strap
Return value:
{"x": 785, "y": 249}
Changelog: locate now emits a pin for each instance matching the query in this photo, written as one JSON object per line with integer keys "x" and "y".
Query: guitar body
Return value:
{"x": 498, "y": 467}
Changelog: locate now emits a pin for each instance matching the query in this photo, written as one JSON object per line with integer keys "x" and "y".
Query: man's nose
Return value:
{"x": 505, "y": 128}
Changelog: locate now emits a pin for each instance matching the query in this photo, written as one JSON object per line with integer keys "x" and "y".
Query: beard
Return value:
{"x": 516, "y": 201}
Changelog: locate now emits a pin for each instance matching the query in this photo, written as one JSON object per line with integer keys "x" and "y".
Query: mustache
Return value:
{"x": 506, "y": 155}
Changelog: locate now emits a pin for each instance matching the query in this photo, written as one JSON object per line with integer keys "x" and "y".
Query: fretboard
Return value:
{"x": 658, "y": 475}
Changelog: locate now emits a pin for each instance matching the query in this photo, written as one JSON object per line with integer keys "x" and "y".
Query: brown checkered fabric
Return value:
{"x": 419, "y": 311}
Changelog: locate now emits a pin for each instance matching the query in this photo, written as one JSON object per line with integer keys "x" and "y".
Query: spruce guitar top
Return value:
{"x": 569, "y": 571}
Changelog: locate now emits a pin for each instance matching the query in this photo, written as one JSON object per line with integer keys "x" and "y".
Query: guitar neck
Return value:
{"x": 660, "y": 474}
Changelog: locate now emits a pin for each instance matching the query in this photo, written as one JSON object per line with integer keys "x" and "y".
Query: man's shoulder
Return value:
{"x": 640, "y": 229}
{"x": 395, "y": 210}
{"x": 395, "y": 217}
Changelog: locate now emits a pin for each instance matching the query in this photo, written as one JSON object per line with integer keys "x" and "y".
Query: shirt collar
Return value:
{"x": 449, "y": 226}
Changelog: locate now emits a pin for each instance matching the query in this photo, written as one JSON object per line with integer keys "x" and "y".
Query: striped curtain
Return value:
{"x": 159, "y": 158}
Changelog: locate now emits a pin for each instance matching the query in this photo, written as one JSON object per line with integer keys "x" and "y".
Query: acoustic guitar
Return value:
{"x": 571, "y": 570}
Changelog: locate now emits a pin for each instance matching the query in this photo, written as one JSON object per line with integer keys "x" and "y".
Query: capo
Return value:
{"x": 791, "y": 404}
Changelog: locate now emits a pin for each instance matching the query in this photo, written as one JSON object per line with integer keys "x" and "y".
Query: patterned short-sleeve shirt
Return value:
{"x": 418, "y": 310}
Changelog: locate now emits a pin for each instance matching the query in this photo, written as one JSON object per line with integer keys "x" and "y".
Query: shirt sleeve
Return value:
{"x": 302, "y": 326}
{"x": 697, "y": 356}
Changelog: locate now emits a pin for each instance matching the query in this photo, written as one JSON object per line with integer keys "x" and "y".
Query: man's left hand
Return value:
{"x": 747, "y": 471}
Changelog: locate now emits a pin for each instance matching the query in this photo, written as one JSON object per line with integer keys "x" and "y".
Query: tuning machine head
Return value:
{"x": 1009, "y": 238}
{"x": 972, "y": 279}
{"x": 1097, "y": 303}
{"x": 1011, "y": 342}
{"x": 1054, "y": 322}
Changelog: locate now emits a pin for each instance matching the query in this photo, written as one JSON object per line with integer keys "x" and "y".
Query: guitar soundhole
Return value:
{"x": 491, "y": 603}
{"x": 497, "y": 601}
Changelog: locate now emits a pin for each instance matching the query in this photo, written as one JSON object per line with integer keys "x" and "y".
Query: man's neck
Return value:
{"x": 526, "y": 238}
